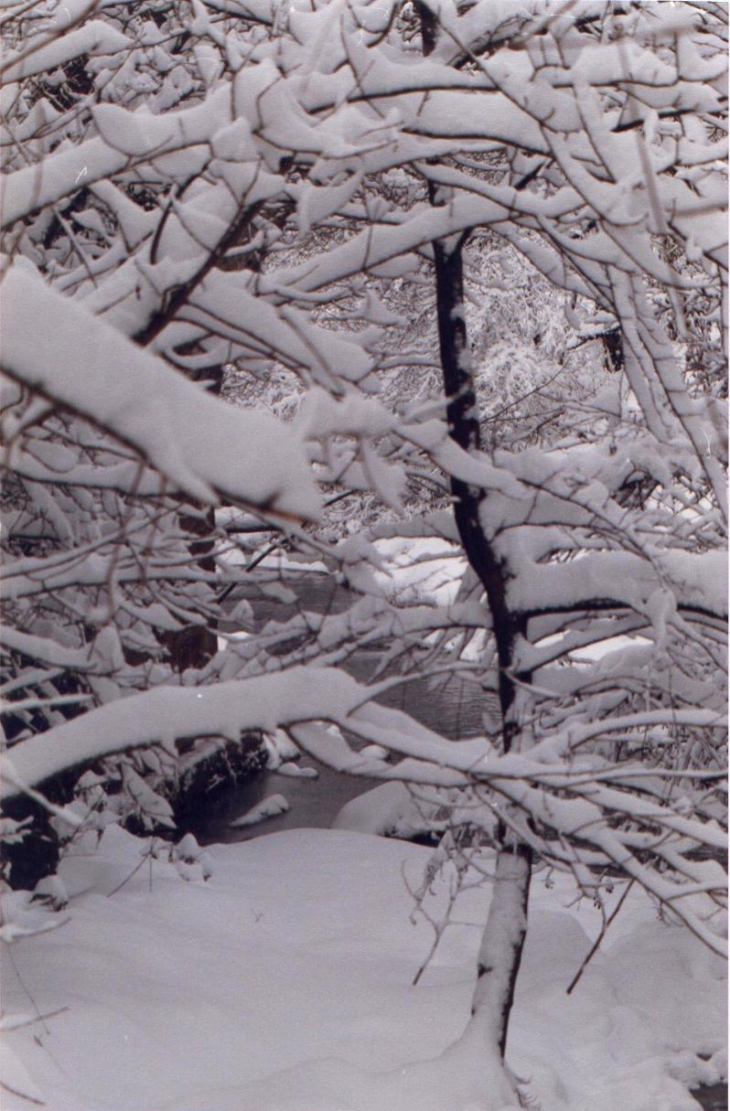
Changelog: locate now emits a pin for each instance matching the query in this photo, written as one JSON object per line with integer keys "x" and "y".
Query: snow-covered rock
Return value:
{"x": 295, "y": 771}
{"x": 389, "y": 810}
{"x": 268, "y": 808}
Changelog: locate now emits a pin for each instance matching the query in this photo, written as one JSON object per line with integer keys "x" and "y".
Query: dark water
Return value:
{"x": 314, "y": 803}
{"x": 712, "y": 1098}
{"x": 456, "y": 709}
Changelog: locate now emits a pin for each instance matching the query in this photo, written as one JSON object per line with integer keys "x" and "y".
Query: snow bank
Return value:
{"x": 284, "y": 983}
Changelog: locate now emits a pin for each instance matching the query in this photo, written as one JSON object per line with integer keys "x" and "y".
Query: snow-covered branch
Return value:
{"x": 204, "y": 447}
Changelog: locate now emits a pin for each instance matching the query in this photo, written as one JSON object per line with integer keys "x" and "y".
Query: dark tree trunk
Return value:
{"x": 504, "y": 934}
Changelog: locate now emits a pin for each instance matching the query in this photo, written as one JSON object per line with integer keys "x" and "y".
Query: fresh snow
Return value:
{"x": 199, "y": 442}
{"x": 284, "y": 983}
{"x": 268, "y": 808}
{"x": 388, "y": 809}
{"x": 278, "y": 975}
{"x": 93, "y": 38}
{"x": 301, "y": 695}
{"x": 295, "y": 771}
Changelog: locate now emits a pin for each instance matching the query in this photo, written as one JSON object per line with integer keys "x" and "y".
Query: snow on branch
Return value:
{"x": 95, "y": 37}
{"x": 167, "y": 714}
{"x": 615, "y": 579}
{"x": 202, "y": 445}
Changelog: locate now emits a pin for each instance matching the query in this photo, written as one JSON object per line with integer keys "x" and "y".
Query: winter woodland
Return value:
{"x": 297, "y": 286}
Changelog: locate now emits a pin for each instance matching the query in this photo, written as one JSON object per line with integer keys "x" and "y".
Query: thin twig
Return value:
{"x": 596, "y": 944}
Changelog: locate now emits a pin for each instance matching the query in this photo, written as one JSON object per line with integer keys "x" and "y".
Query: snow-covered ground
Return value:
{"x": 284, "y": 983}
